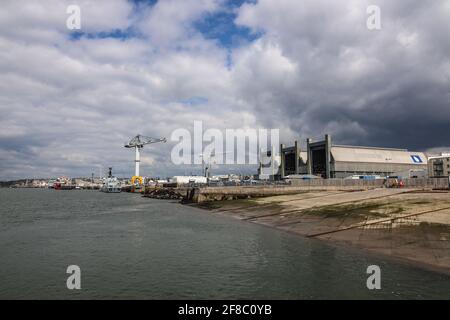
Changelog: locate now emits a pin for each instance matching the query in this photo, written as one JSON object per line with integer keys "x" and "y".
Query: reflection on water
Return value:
{"x": 131, "y": 247}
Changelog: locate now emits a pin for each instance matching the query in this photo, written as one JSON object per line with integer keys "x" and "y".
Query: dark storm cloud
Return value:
{"x": 21, "y": 144}
{"x": 386, "y": 88}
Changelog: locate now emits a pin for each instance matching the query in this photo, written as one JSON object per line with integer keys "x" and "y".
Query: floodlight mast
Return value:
{"x": 206, "y": 171}
{"x": 138, "y": 142}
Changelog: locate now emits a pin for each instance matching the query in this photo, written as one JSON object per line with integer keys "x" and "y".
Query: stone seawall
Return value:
{"x": 198, "y": 195}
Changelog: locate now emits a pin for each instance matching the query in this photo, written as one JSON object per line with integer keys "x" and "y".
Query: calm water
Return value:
{"x": 131, "y": 247}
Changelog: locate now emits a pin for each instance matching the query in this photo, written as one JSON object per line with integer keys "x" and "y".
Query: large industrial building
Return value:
{"x": 325, "y": 159}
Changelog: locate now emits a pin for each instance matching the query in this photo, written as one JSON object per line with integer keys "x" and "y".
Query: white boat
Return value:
{"x": 111, "y": 184}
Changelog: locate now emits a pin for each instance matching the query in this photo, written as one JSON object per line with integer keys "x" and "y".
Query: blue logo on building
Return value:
{"x": 416, "y": 159}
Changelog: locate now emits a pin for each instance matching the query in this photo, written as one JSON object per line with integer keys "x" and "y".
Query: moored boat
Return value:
{"x": 111, "y": 184}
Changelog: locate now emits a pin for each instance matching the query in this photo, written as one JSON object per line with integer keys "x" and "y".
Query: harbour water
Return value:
{"x": 129, "y": 247}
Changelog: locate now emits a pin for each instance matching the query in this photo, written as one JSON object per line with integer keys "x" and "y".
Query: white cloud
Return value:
{"x": 68, "y": 106}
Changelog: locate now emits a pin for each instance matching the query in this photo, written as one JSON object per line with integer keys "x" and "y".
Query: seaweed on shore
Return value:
{"x": 362, "y": 210}
{"x": 227, "y": 204}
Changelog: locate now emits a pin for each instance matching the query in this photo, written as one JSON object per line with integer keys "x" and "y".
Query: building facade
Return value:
{"x": 292, "y": 160}
{"x": 325, "y": 159}
{"x": 439, "y": 166}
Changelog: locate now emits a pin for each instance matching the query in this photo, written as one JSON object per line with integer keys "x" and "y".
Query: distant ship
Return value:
{"x": 61, "y": 183}
{"x": 111, "y": 184}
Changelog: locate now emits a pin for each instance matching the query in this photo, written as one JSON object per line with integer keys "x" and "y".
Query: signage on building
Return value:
{"x": 416, "y": 159}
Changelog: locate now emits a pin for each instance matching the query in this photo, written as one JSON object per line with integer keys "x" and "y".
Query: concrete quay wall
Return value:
{"x": 203, "y": 194}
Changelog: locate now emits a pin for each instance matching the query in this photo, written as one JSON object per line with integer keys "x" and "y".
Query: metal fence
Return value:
{"x": 433, "y": 183}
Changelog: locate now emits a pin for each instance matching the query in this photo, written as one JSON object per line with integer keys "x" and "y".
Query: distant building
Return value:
{"x": 439, "y": 166}
{"x": 39, "y": 184}
{"x": 412, "y": 173}
{"x": 188, "y": 179}
{"x": 324, "y": 159}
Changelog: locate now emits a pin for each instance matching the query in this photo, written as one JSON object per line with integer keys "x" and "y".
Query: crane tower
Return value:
{"x": 138, "y": 142}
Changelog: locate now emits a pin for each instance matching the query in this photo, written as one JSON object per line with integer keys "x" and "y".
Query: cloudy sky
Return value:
{"x": 70, "y": 99}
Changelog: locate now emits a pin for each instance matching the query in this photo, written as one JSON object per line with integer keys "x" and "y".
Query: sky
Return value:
{"x": 70, "y": 99}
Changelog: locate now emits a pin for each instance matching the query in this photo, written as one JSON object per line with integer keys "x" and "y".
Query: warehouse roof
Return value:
{"x": 377, "y": 155}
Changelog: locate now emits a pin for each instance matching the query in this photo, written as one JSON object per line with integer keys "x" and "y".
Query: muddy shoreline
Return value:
{"x": 408, "y": 227}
